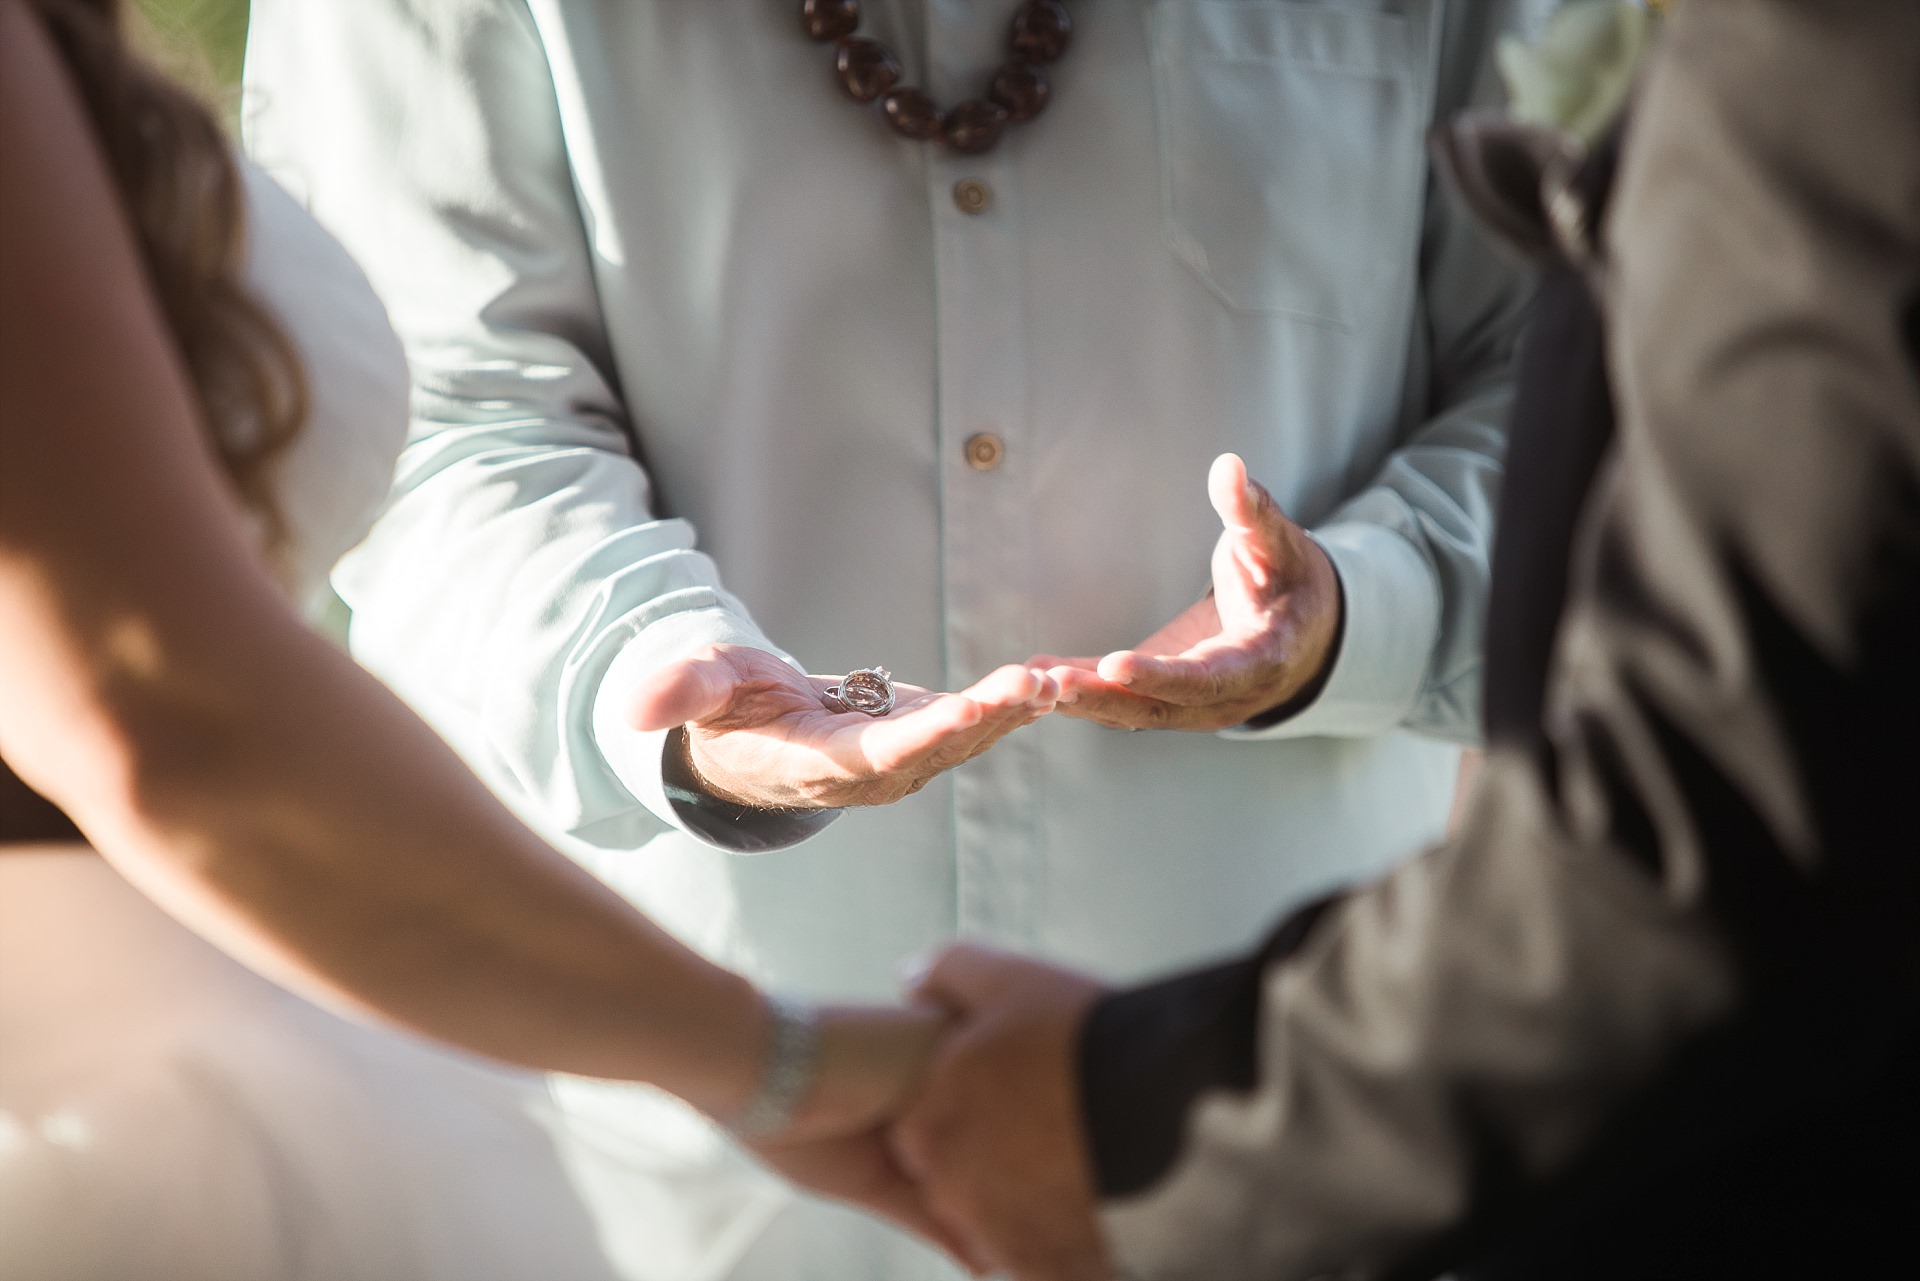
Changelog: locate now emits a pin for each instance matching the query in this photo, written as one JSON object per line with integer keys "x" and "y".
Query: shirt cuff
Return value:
{"x": 1392, "y": 621}
{"x": 635, "y": 756}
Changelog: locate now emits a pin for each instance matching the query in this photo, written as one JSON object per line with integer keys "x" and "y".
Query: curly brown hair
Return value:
{"x": 174, "y": 168}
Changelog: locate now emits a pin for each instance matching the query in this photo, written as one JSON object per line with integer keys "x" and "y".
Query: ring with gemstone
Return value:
{"x": 868, "y": 690}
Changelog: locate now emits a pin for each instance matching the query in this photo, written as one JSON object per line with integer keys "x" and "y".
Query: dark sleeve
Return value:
{"x": 1716, "y": 828}
{"x": 1147, "y": 1054}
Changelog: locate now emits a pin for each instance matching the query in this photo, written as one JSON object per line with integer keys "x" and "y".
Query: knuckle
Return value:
{"x": 949, "y": 962}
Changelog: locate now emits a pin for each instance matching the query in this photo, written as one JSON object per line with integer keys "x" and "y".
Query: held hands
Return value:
{"x": 993, "y": 1137}
{"x": 870, "y": 1062}
{"x": 1260, "y": 638}
{"x": 959, "y": 1119}
{"x": 758, "y": 733}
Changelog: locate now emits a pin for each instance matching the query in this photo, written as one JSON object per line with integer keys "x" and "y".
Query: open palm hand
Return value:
{"x": 760, "y": 733}
{"x": 1262, "y": 635}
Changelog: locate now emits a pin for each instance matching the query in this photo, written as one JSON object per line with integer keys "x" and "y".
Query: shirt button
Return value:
{"x": 985, "y": 451}
{"x": 972, "y": 196}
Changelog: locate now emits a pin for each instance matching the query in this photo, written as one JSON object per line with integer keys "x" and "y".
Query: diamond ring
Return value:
{"x": 869, "y": 690}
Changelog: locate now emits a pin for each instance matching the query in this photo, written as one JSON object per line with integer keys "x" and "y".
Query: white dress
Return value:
{"x": 166, "y": 1115}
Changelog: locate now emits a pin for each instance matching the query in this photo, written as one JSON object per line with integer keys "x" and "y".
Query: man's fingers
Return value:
{"x": 1115, "y": 707}
{"x": 900, "y": 1201}
{"x": 916, "y": 1144}
{"x": 1212, "y": 673}
{"x": 1057, "y": 662}
{"x": 1077, "y": 680}
{"x": 1206, "y": 673}
{"x": 1013, "y": 685}
{"x": 954, "y": 728}
{"x": 1071, "y": 676}
{"x": 947, "y": 732}
{"x": 864, "y": 1170}
{"x": 902, "y": 741}
{"x": 694, "y": 689}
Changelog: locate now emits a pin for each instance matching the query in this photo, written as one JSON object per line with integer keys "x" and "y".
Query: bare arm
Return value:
{"x": 154, "y": 683}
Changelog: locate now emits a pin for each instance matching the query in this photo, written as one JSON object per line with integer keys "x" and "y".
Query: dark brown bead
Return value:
{"x": 867, "y": 68}
{"x": 974, "y": 126}
{"x": 913, "y": 114}
{"x": 1041, "y": 29}
{"x": 1021, "y": 88}
{"x": 825, "y": 20}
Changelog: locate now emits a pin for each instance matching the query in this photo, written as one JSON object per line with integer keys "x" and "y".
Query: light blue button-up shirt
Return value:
{"x": 656, "y": 275}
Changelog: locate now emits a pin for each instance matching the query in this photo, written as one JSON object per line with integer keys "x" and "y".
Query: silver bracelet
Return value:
{"x": 792, "y": 1063}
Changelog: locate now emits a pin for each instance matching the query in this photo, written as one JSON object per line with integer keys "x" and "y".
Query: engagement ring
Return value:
{"x": 869, "y": 690}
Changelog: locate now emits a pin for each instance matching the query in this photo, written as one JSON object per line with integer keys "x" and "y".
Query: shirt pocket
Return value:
{"x": 1290, "y": 151}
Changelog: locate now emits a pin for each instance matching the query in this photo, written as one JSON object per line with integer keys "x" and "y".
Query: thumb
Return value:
{"x": 1228, "y": 487}
{"x": 1247, "y": 510}
{"x": 693, "y": 689}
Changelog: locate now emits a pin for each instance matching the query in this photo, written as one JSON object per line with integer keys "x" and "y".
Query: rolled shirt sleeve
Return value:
{"x": 1391, "y": 600}
{"x": 1414, "y": 548}
{"x": 519, "y": 582}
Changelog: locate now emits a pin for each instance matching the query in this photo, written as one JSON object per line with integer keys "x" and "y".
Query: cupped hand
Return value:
{"x": 1263, "y": 634}
{"x": 994, "y": 1136}
{"x": 759, "y": 734}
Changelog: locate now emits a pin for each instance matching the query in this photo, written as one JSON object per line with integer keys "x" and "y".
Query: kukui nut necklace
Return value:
{"x": 868, "y": 71}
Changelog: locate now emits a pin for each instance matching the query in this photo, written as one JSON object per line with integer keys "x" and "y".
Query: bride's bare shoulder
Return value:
{"x": 35, "y": 95}
{"x": 57, "y": 201}
{"x": 21, "y": 36}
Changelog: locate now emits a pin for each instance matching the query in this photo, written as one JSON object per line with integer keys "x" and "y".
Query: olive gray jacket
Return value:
{"x": 1675, "y": 949}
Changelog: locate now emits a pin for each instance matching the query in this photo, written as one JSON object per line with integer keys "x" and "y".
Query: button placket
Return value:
{"x": 984, "y": 470}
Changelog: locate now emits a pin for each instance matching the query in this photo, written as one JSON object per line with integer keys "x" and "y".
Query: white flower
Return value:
{"x": 1578, "y": 77}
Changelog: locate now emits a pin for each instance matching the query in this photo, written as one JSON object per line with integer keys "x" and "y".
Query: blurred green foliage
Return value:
{"x": 203, "y": 41}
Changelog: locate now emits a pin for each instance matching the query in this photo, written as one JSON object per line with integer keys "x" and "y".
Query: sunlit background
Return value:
{"x": 202, "y": 40}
